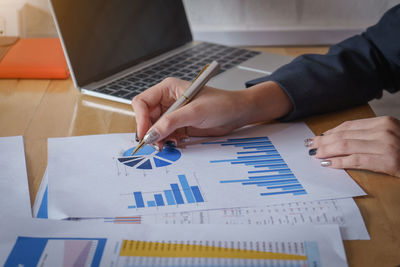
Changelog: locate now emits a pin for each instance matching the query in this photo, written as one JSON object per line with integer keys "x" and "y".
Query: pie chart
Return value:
{"x": 148, "y": 158}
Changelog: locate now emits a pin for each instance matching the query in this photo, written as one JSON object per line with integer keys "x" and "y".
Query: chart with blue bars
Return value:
{"x": 265, "y": 166}
{"x": 148, "y": 158}
{"x": 176, "y": 194}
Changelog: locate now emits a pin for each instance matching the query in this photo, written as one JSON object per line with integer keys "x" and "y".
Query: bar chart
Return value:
{"x": 265, "y": 166}
{"x": 148, "y": 158}
{"x": 217, "y": 253}
{"x": 176, "y": 194}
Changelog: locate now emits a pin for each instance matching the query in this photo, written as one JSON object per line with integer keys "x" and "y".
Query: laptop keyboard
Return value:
{"x": 185, "y": 65}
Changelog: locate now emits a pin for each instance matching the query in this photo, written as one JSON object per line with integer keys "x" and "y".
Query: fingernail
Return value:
{"x": 155, "y": 147}
{"x": 312, "y": 152}
{"x": 151, "y": 137}
{"x": 326, "y": 163}
{"x": 136, "y": 137}
{"x": 170, "y": 143}
{"x": 308, "y": 142}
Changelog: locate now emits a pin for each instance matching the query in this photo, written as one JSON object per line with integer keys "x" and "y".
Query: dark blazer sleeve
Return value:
{"x": 351, "y": 73}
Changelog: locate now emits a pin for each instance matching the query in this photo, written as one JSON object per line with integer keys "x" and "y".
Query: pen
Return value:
{"x": 197, "y": 84}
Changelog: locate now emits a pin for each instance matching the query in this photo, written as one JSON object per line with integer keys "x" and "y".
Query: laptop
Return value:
{"x": 117, "y": 49}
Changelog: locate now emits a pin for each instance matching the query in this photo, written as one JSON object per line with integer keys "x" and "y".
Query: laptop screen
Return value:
{"x": 103, "y": 37}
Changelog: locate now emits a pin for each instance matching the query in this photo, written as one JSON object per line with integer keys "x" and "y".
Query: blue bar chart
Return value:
{"x": 177, "y": 194}
{"x": 265, "y": 166}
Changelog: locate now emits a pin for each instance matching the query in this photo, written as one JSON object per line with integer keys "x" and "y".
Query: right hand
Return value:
{"x": 212, "y": 112}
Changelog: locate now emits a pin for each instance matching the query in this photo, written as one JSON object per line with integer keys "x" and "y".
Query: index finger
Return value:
{"x": 361, "y": 124}
{"x": 161, "y": 94}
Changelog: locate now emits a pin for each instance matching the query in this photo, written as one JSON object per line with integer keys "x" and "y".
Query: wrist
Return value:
{"x": 267, "y": 101}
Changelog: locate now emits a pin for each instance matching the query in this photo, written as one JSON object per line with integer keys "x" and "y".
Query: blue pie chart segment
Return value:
{"x": 160, "y": 162}
{"x": 148, "y": 158}
{"x": 169, "y": 153}
{"x": 146, "y": 165}
{"x": 144, "y": 151}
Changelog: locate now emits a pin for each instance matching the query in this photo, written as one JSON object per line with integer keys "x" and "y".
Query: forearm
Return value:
{"x": 352, "y": 73}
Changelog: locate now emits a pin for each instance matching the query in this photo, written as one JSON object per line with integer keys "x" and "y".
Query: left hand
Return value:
{"x": 369, "y": 144}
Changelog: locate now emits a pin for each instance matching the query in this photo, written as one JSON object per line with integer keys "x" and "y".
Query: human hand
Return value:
{"x": 212, "y": 112}
{"x": 370, "y": 144}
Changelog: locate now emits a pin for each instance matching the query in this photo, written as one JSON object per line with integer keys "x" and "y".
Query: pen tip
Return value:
{"x": 137, "y": 148}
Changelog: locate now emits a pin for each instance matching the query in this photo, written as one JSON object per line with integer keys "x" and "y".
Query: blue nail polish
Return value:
{"x": 170, "y": 143}
{"x": 312, "y": 152}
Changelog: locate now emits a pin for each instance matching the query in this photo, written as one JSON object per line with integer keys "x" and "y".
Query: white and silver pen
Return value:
{"x": 197, "y": 84}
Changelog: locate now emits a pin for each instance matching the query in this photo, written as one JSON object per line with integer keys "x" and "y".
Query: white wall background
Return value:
{"x": 234, "y": 22}
{"x": 26, "y": 18}
{"x": 277, "y": 22}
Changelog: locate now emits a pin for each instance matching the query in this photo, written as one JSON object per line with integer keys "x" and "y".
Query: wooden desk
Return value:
{"x": 39, "y": 109}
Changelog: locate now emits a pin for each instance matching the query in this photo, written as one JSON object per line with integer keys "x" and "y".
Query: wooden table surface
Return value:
{"x": 39, "y": 109}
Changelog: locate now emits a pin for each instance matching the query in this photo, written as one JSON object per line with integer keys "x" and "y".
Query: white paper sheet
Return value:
{"x": 14, "y": 192}
{"x": 343, "y": 212}
{"x": 89, "y": 176}
{"x": 57, "y": 243}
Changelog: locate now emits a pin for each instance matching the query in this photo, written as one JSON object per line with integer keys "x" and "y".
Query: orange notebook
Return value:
{"x": 41, "y": 58}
